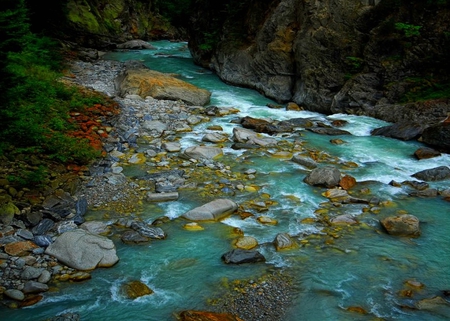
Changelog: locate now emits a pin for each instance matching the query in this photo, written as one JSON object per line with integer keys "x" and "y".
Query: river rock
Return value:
{"x": 45, "y": 277}
{"x": 20, "y": 248}
{"x": 145, "y": 82}
{"x": 162, "y": 197}
{"x": 426, "y": 152}
{"x": 304, "y": 161}
{"x": 403, "y": 131}
{"x": 344, "y": 219}
{"x": 436, "y": 303}
{"x": 214, "y": 138}
{"x": 7, "y": 212}
{"x": 402, "y": 225}
{"x": 82, "y": 250}
{"x": 327, "y": 176}
{"x": 433, "y": 174}
{"x": 171, "y": 147}
{"x": 283, "y": 241}
{"x": 438, "y": 135}
{"x": 34, "y": 287}
{"x": 246, "y": 243}
{"x": 347, "y": 182}
{"x": 43, "y": 240}
{"x": 43, "y": 227}
{"x": 203, "y": 152}
{"x": 431, "y": 192}
{"x": 212, "y": 211}
{"x": 15, "y": 294}
{"x": 148, "y": 231}
{"x": 259, "y": 125}
{"x": 135, "y": 44}
{"x": 239, "y": 256}
{"x": 129, "y": 237}
{"x": 136, "y": 289}
{"x": 328, "y": 131}
{"x": 190, "y": 315}
{"x": 96, "y": 227}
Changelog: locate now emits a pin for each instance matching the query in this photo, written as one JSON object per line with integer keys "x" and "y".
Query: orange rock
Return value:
{"x": 31, "y": 300}
{"x": 190, "y": 315}
{"x": 357, "y": 310}
{"x": 20, "y": 248}
{"x": 347, "y": 182}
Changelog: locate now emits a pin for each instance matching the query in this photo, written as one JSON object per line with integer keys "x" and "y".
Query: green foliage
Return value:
{"x": 26, "y": 177}
{"x": 34, "y": 104}
{"x": 408, "y": 29}
{"x": 421, "y": 89}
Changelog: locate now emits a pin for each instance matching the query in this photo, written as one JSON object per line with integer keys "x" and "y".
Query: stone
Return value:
{"x": 7, "y": 212}
{"x": 336, "y": 194}
{"x": 426, "y": 152}
{"x": 66, "y": 317}
{"x": 43, "y": 227}
{"x": 135, "y": 44}
{"x": 293, "y": 106}
{"x": 43, "y": 240}
{"x": 203, "y": 152}
{"x": 45, "y": 277}
{"x": 283, "y": 241}
{"x": 130, "y": 237}
{"x": 81, "y": 206}
{"x": 148, "y": 231}
{"x": 267, "y": 220}
{"x": 82, "y": 250}
{"x": 327, "y": 176}
{"x": 20, "y": 248}
{"x": 304, "y": 161}
{"x": 135, "y": 289}
{"x": 14, "y": 294}
{"x": 239, "y": 256}
{"x": 433, "y": 174}
{"x": 432, "y": 192}
{"x": 246, "y": 243}
{"x": 347, "y": 182}
{"x": 145, "y": 82}
{"x": 212, "y": 211}
{"x": 171, "y": 147}
{"x": 344, "y": 219}
{"x": 162, "y": 197}
{"x": 30, "y": 272}
{"x": 403, "y": 131}
{"x": 328, "y": 131}
{"x": 25, "y": 234}
{"x": 438, "y": 135}
{"x": 30, "y": 300}
{"x": 402, "y": 225}
{"x": 65, "y": 226}
{"x": 190, "y": 315}
{"x": 34, "y": 287}
{"x": 436, "y": 303}
{"x": 193, "y": 226}
{"x": 214, "y": 138}
{"x": 96, "y": 227}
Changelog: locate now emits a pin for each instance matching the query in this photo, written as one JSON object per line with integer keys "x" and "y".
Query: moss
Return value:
{"x": 80, "y": 14}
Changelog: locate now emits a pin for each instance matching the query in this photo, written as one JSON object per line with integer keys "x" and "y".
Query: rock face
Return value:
{"x": 327, "y": 176}
{"x": 338, "y": 56}
{"x": 212, "y": 211}
{"x": 81, "y": 250}
{"x": 145, "y": 82}
{"x": 402, "y": 225}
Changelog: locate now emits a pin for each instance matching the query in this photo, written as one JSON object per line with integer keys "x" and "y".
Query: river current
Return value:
{"x": 364, "y": 267}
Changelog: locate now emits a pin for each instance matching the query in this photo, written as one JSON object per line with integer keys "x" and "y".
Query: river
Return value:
{"x": 362, "y": 267}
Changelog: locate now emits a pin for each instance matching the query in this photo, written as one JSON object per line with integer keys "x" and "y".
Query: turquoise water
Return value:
{"x": 364, "y": 267}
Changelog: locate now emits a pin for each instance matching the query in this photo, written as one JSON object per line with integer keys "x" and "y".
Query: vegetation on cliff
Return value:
{"x": 34, "y": 103}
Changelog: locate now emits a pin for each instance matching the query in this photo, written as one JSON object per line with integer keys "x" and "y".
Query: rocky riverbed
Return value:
{"x": 143, "y": 141}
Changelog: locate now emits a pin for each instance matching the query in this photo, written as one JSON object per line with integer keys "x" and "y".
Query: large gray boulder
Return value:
{"x": 402, "y": 225}
{"x": 135, "y": 44}
{"x": 82, "y": 250}
{"x": 327, "y": 176}
{"x": 433, "y": 174}
{"x": 203, "y": 152}
{"x": 212, "y": 211}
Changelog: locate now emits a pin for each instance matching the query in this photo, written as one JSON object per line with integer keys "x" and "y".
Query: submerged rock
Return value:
{"x": 82, "y": 250}
{"x": 246, "y": 243}
{"x": 239, "y": 256}
{"x": 212, "y": 211}
{"x": 426, "y": 152}
{"x": 136, "y": 289}
{"x": 402, "y": 225}
{"x": 283, "y": 241}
